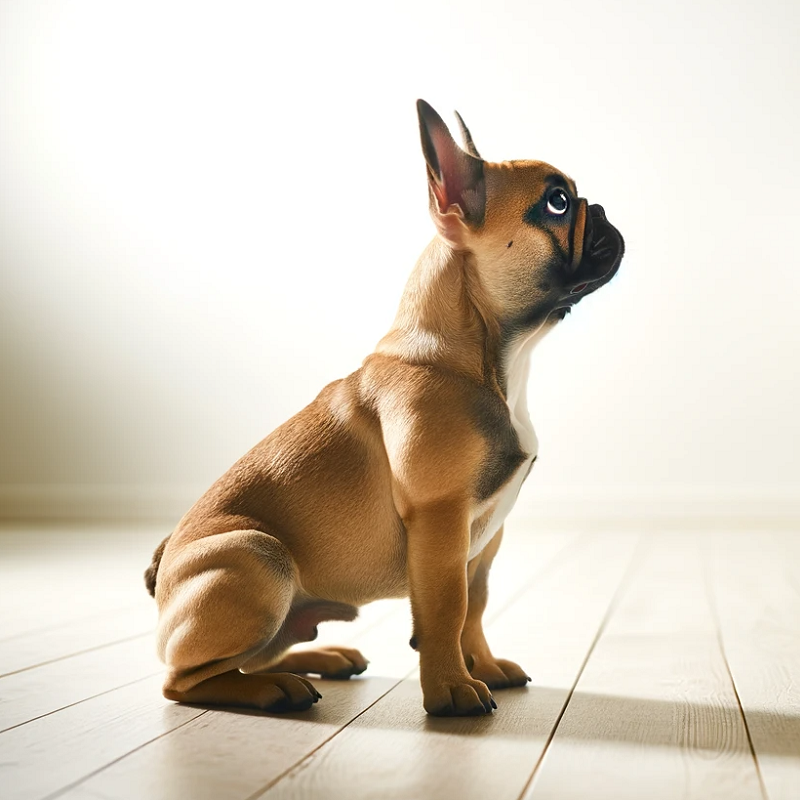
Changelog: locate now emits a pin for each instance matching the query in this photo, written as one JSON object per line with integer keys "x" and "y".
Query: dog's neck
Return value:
{"x": 444, "y": 318}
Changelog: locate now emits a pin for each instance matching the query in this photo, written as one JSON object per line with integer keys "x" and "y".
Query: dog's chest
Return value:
{"x": 491, "y": 511}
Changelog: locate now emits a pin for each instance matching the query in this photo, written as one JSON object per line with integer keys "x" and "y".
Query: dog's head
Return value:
{"x": 536, "y": 247}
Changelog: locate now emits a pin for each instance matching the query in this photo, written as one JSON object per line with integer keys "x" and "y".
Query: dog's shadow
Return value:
{"x": 531, "y": 714}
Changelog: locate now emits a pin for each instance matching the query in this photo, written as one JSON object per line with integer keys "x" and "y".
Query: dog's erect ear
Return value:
{"x": 455, "y": 178}
{"x": 466, "y": 137}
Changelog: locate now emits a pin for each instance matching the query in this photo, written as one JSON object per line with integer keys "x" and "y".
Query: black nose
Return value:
{"x": 597, "y": 210}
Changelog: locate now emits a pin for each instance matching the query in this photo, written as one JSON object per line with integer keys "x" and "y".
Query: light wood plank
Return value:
{"x": 250, "y": 750}
{"x": 42, "y": 690}
{"x": 758, "y": 605}
{"x": 654, "y": 714}
{"x": 230, "y": 754}
{"x": 28, "y": 650}
{"x": 659, "y": 670}
{"x": 41, "y": 758}
{"x": 54, "y": 575}
{"x": 394, "y": 750}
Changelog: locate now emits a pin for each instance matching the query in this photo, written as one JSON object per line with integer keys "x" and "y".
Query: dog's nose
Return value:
{"x": 597, "y": 210}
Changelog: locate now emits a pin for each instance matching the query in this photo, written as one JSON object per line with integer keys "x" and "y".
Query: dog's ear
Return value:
{"x": 455, "y": 179}
{"x": 466, "y": 137}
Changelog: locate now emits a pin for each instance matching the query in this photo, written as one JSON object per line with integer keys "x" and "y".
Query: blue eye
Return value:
{"x": 558, "y": 202}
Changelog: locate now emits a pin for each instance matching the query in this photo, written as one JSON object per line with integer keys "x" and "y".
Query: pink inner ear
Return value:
{"x": 451, "y": 184}
{"x": 441, "y": 195}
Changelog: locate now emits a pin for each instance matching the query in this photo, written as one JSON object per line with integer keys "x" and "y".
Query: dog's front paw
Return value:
{"x": 497, "y": 673}
{"x": 460, "y": 698}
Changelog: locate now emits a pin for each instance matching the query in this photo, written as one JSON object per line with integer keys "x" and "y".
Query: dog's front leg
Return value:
{"x": 496, "y": 673}
{"x": 438, "y": 548}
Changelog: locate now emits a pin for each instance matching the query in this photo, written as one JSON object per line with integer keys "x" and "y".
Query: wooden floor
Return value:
{"x": 665, "y": 665}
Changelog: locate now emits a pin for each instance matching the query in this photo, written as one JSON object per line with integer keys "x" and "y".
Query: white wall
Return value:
{"x": 208, "y": 211}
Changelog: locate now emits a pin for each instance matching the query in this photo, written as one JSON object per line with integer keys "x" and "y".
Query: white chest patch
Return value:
{"x": 491, "y": 513}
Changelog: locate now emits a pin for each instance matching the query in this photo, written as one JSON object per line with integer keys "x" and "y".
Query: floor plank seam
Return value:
{"x": 122, "y": 610}
{"x": 554, "y": 562}
{"x": 78, "y": 702}
{"x": 743, "y": 714}
{"x": 261, "y": 792}
{"x": 79, "y": 653}
{"x": 636, "y": 558}
{"x": 712, "y": 602}
{"x": 84, "y": 778}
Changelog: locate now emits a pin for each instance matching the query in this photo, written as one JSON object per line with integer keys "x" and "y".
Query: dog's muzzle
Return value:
{"x": 603, "y": 248}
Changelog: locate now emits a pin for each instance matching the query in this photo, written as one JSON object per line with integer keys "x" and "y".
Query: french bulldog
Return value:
{"x": 395, "y": 481}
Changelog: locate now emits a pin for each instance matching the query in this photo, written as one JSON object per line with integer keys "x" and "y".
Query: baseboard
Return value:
{"x": 550, "y": 505}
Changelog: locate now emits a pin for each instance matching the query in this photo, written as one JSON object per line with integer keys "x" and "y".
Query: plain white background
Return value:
{"x": 209, "y": 210}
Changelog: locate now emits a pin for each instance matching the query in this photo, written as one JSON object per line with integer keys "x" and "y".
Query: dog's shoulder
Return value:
{"x": 444, "y": 432}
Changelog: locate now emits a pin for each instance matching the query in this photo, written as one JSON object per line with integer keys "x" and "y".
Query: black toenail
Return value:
{"x": 494, "y": 705}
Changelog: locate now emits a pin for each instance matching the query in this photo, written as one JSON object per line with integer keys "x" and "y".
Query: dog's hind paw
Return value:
{"x": 498, "y": 673}
{"x": 279, "y": 692}
{"x": 298, "y": 694}
{"x": 336, "y": 663}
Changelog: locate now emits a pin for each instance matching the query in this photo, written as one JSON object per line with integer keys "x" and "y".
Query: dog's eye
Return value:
{"x": 558, "y": 202}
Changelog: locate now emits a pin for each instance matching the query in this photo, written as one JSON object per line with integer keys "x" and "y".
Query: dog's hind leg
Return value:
{"x": 336, "y": 663}
{"x": 301, "y": 626}
{"x": 224, "y": 600}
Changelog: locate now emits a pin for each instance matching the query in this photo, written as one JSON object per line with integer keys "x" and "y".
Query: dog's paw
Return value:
{"x": 286, "y": 692}
{"x": 341, "y": 663}
{"x": 497, "y": 673}
{"x": 465, "y": 698}
{"x": 336, "y": 663}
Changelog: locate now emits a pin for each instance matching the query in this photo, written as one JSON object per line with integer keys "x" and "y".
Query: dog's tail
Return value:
{"x": 151, "y": 573}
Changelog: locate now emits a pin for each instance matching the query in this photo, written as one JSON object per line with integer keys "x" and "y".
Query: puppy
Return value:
{"x": 395, "y": 480}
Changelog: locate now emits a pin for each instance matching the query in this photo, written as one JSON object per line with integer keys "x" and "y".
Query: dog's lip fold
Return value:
{"x": 603, "y": 248}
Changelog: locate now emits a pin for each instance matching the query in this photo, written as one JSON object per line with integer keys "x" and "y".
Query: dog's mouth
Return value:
{"x": 603, "y": 248}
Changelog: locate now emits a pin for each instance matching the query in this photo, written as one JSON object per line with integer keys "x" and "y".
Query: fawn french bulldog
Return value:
{"x": 395, "y": 480}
